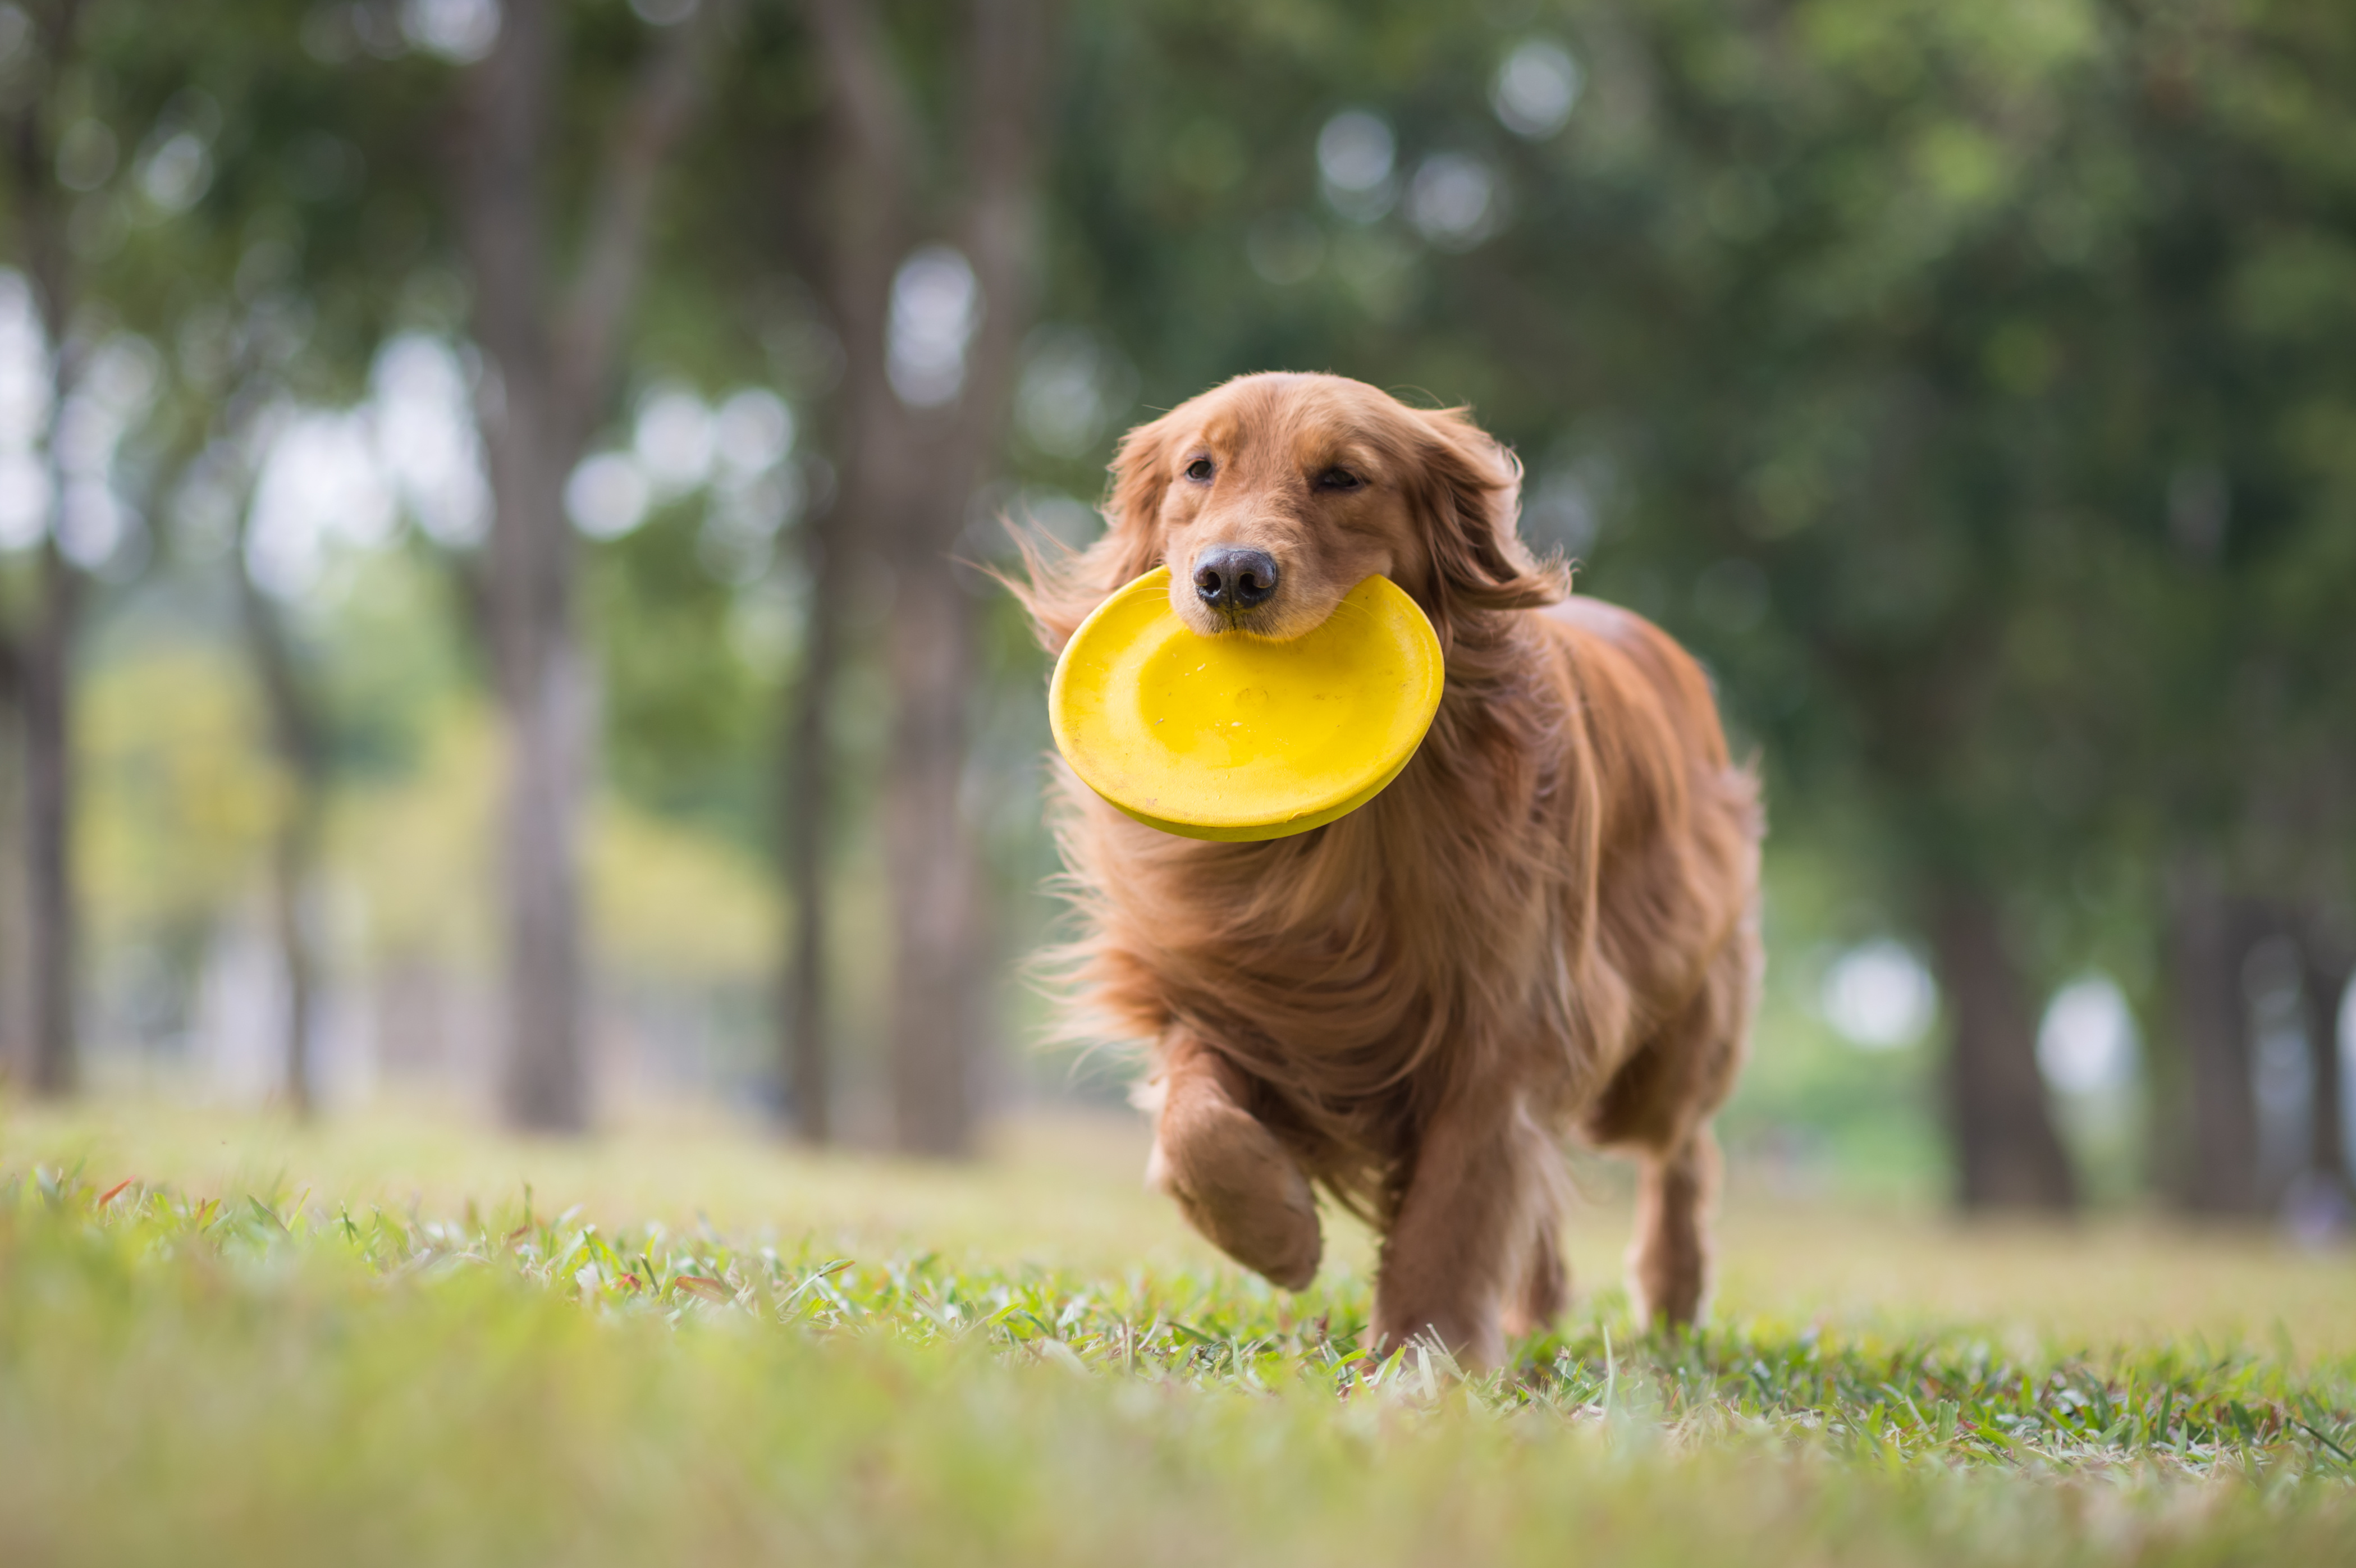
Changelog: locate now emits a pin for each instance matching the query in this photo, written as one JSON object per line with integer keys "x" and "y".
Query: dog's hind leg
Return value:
{"x": 1669, "y": 1255}
{"x": 1232, "y": 1180}
{"x": 1657, "y": 1109}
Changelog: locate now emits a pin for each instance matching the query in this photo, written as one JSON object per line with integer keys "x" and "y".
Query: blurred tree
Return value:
{"x": 241, "y": 254}
{"x": 2238, "y": 759}
{"x": 2328, "y": 1184}
{"x": 15, "y": 905}
{"x": 298, "y": 735}
{"x": 555, "y": 367}
{"x": 43, "y": 49}
{"x": 1971, "y": 388}
{"x": 930, "y": 333}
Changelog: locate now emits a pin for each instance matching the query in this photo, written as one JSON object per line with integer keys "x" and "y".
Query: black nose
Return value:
{"x": 1229, "y": 578}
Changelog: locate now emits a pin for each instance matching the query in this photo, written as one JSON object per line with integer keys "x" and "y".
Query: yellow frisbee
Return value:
{"x": 1237, "y": 738}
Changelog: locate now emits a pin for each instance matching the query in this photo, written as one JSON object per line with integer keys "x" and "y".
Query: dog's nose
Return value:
{"x": 1229, "y": 578}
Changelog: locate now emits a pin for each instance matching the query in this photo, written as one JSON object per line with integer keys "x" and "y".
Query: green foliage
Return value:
{"x": 182, "y": 798}
{"x": 691, "y": 723}
{"x": 1811, "y": 1110}
{"x": 255, "y": 1378}
{"x": 387, "y": 645}
{"x": 1973, "y": 386}
{"x": 1898, "y": 351}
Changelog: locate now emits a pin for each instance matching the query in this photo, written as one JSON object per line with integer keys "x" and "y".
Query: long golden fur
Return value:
{"x": 1546, "y": 927}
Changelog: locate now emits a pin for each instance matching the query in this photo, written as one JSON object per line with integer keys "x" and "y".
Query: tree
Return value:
{"x": 297, "y": 733}
{"x": 931, "y": 335}
{"x": 41, "y": 656}
{"x": 2235, "y": 755}
{"x": 555, "y": 372}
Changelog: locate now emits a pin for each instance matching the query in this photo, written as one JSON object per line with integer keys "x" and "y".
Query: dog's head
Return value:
{"x": 1271, "y": 496}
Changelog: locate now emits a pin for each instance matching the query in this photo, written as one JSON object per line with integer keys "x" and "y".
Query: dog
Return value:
{"x": 1546, "y": 927}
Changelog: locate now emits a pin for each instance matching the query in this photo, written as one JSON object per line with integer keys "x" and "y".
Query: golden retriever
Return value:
{"x": 1545, "y": 926}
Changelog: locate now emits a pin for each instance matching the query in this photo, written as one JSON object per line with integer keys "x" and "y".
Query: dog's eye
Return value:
{"x": 1199, "y": 470}
{"x": 1338, "y": 479}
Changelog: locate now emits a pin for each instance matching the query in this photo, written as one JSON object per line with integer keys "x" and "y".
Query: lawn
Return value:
{"x": 398, "y": 1340}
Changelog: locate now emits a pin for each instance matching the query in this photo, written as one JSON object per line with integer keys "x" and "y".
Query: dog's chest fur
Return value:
{"x": 1353, "y": 969}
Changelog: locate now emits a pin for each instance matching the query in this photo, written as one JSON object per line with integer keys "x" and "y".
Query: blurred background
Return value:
{"x": 493, "y": 497}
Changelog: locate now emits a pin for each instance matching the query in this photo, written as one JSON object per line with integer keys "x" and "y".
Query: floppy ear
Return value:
{"x": 1140, "y": 477}
{"x": 1470, "y": 491}
{"x": 1060, "y": 586}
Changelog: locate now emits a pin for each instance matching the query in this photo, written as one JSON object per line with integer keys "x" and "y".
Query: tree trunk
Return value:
{"x": 16, "y": 964}
{"x": 543, "y": 708}
{"x": 2330, "y": 966}
{"x": 870, "y": 127}
{"x": 2008, "y": 1153}
{"x": 40, "y": 929}
{"x": 292, "y": 870}
{"x": 934, "y": 1015}
{"x": 542, "y": 1084}
{"x": 553, "y": 373}
{"x": 911, "y": 475}
{"x": 546, "y": 1087}
{"x": 808, "y": 801}
{"x": 939, "y": 1027}
{"x": 295, "y": 730}
{"x": 46, "y": 655}
{"x": 54, "y": 1070}
{"x": 2218, "y": 1120}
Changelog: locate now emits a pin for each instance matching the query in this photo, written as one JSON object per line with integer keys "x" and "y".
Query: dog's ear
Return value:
{"x": 1469, "y": 489}
{"x": 1060, "y": 586}
{"x": 1141, "y": 477}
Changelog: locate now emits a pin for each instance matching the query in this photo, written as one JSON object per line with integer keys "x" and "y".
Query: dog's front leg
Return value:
{"x": 1233, "y": 1181}
{"x": 1475, "y": 1224}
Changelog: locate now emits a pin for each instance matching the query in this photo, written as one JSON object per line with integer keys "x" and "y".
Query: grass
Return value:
{"x": 224, "y": 1339}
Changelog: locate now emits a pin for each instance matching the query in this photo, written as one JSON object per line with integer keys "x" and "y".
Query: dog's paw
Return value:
{"x": 1235, "y": 1184}
{"x": 1471, "y": 1335}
